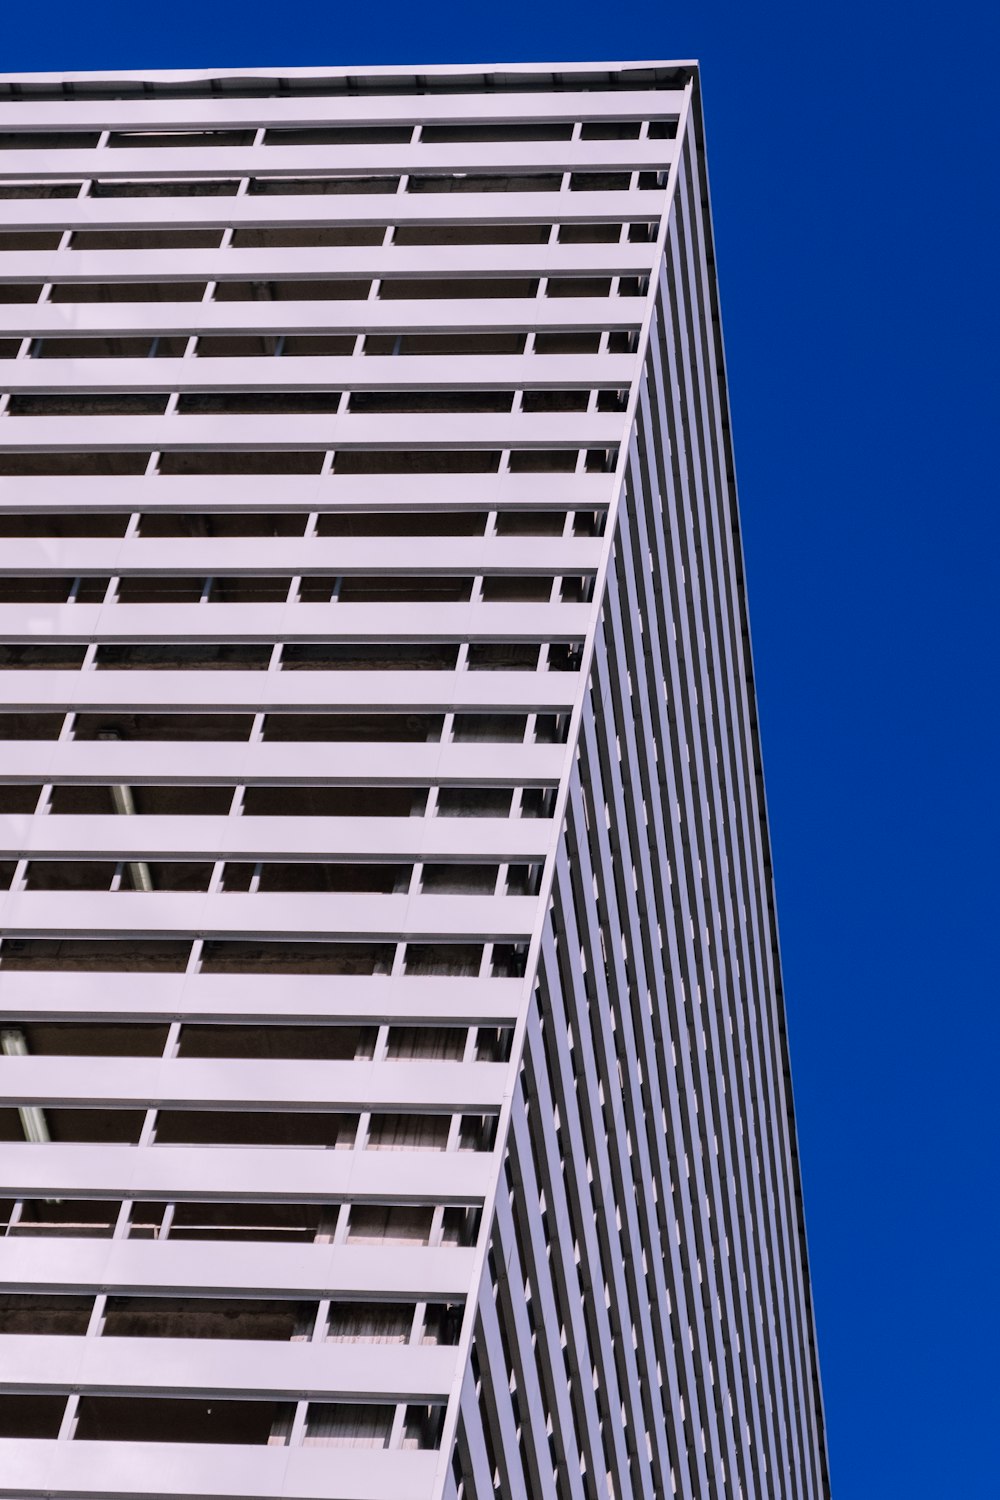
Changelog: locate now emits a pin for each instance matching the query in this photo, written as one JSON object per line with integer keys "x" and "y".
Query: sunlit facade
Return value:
{"x": 395, "y": 1086}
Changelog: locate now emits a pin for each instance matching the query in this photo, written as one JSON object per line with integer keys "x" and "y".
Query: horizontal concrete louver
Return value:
{"x": 394, "y": 1088}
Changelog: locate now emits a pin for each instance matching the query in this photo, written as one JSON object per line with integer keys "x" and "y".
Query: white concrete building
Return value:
{"x": 395, "y": 1089}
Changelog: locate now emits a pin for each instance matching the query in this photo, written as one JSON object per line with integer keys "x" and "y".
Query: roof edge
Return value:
{"x": 404, "y": 70}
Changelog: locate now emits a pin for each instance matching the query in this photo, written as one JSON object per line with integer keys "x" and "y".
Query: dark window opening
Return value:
{"x": 28, "y": 464}
{"x": 98, "y": 1126}
{"x": 162, "y": 347}
{"x": 543, "y": 461}
{"x": 538, "y": 802}
{"x": 19, "y": 799}
{"x": 531, "y": 130}
{"x": 222, "y": 523}
{"x": 360, "y": 878}
{"x": 143, "y": 140}
{"x": 91, "y": 1038}
{"x": 513, "y": 588}
{"x": 333, "y": 801}
{"x": 408, "y": 1132}
{"x": 20, "y": 291}
{"x": 264, "y": 1040}
{"x": 493, "y": 1043}
{"x": 471, "y": 234}
{"x": 446, "y": 343}
{"x": 551, "y": 729}
{"x": 473, "y": 802}
{"x": 610, "y": 130}
{"x": 503, "y": 656}
{"x": 460, "y": 1226}
{"x": 251, "y": 589}
{"x": 39, "y": 589}
{"x": 531, "y": 522}
{"x": 348, "y": 1424}
{"x": 589, "y": 522}
{"x": 154, "y": 589}
{"x": 152, "y": 801}
{"x": 402, "y": 523}
{"x": 415, "y": 461}
{"x": 26, "y": 239}
{"x": 48, "y": 140}
{"x": 31, "y": 726}
{"x": 219, "y": 956}
{"x": 566, "y": 341}
{"x": 211, "y": 656}
{"x": 394, "y": 589}
{"x": 489, "y": 728}
{"x": 208, "y": 1318}
{"x": 317, "y": 346}
{"x": 281, "y": 186}
{"x": 31, "y": 1416}
{"x": 485, "y": 182}
{"x": 165, "y": 726}
{"x": 523, "y": 880}
{"x": 128, "y": 291}
{"x": 362, "y": 657}
{"x": 436, "y": 401}
{"x": 564, "y": 657}
{"x": 63, "y": 523}
{"x": 248, "y": 461}
{"x": 576, "y": 590}
{"x": 44, "y": 1312}
{"x": 161, "y": 1419}
{"x": 389, "y": 1223}
{"x": 330, "y": 1130}
{"x": 338, "y": 135}
{"x": 268, "y": 1223}
{"x": 146, "y": 239}
{"x": 554, "y": 400}
{"x": 442, "y": 1323}
{"x": 438, "y": 1042}
{"x": 167, "y": 187}
{"x": 478, "y": 1133}
{"x": 308, "y": 237}
{"x": 236, "y": 403}
{"x": 374, "y": 1322}
{"x": 398, "y": 288}
{"x": 68, "y": 1218}
{"x": 40, "y": 189}
{"x": 379, "y": 728}
{"x": 599, "y": 182}
{"x": 305, "y": 290}
{"x": 579, "y": 286}
{"x": 454, "y": 880}
{"x": 108, "y": 955}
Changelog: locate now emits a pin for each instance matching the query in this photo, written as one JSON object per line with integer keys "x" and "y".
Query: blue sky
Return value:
{"x": 853, "y": 156}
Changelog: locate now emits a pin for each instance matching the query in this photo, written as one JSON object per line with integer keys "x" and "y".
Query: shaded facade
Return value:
{"x": 395, "y": 1090}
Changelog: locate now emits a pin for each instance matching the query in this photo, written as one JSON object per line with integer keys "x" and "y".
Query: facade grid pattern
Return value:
{"x": 395, "y": 1098}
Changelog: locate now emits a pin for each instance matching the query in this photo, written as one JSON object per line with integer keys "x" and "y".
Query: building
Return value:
{"x": 396, "y": 1099}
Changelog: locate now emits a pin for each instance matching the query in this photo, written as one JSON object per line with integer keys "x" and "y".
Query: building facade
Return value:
{"x": 395, "y": 1086}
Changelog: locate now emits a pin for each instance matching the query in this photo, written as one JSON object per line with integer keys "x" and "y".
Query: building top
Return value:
{"x": 237, "y": 83}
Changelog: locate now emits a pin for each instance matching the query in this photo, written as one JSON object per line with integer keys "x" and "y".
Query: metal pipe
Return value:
{"x": 33, "y": 1122}
{"x": 124, "y": 803}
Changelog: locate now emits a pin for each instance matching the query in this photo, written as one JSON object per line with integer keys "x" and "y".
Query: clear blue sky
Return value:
{"x": 854, "y": 162}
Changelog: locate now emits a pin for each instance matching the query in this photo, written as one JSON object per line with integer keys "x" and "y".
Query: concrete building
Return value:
{"x": 395, "y": 1087}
